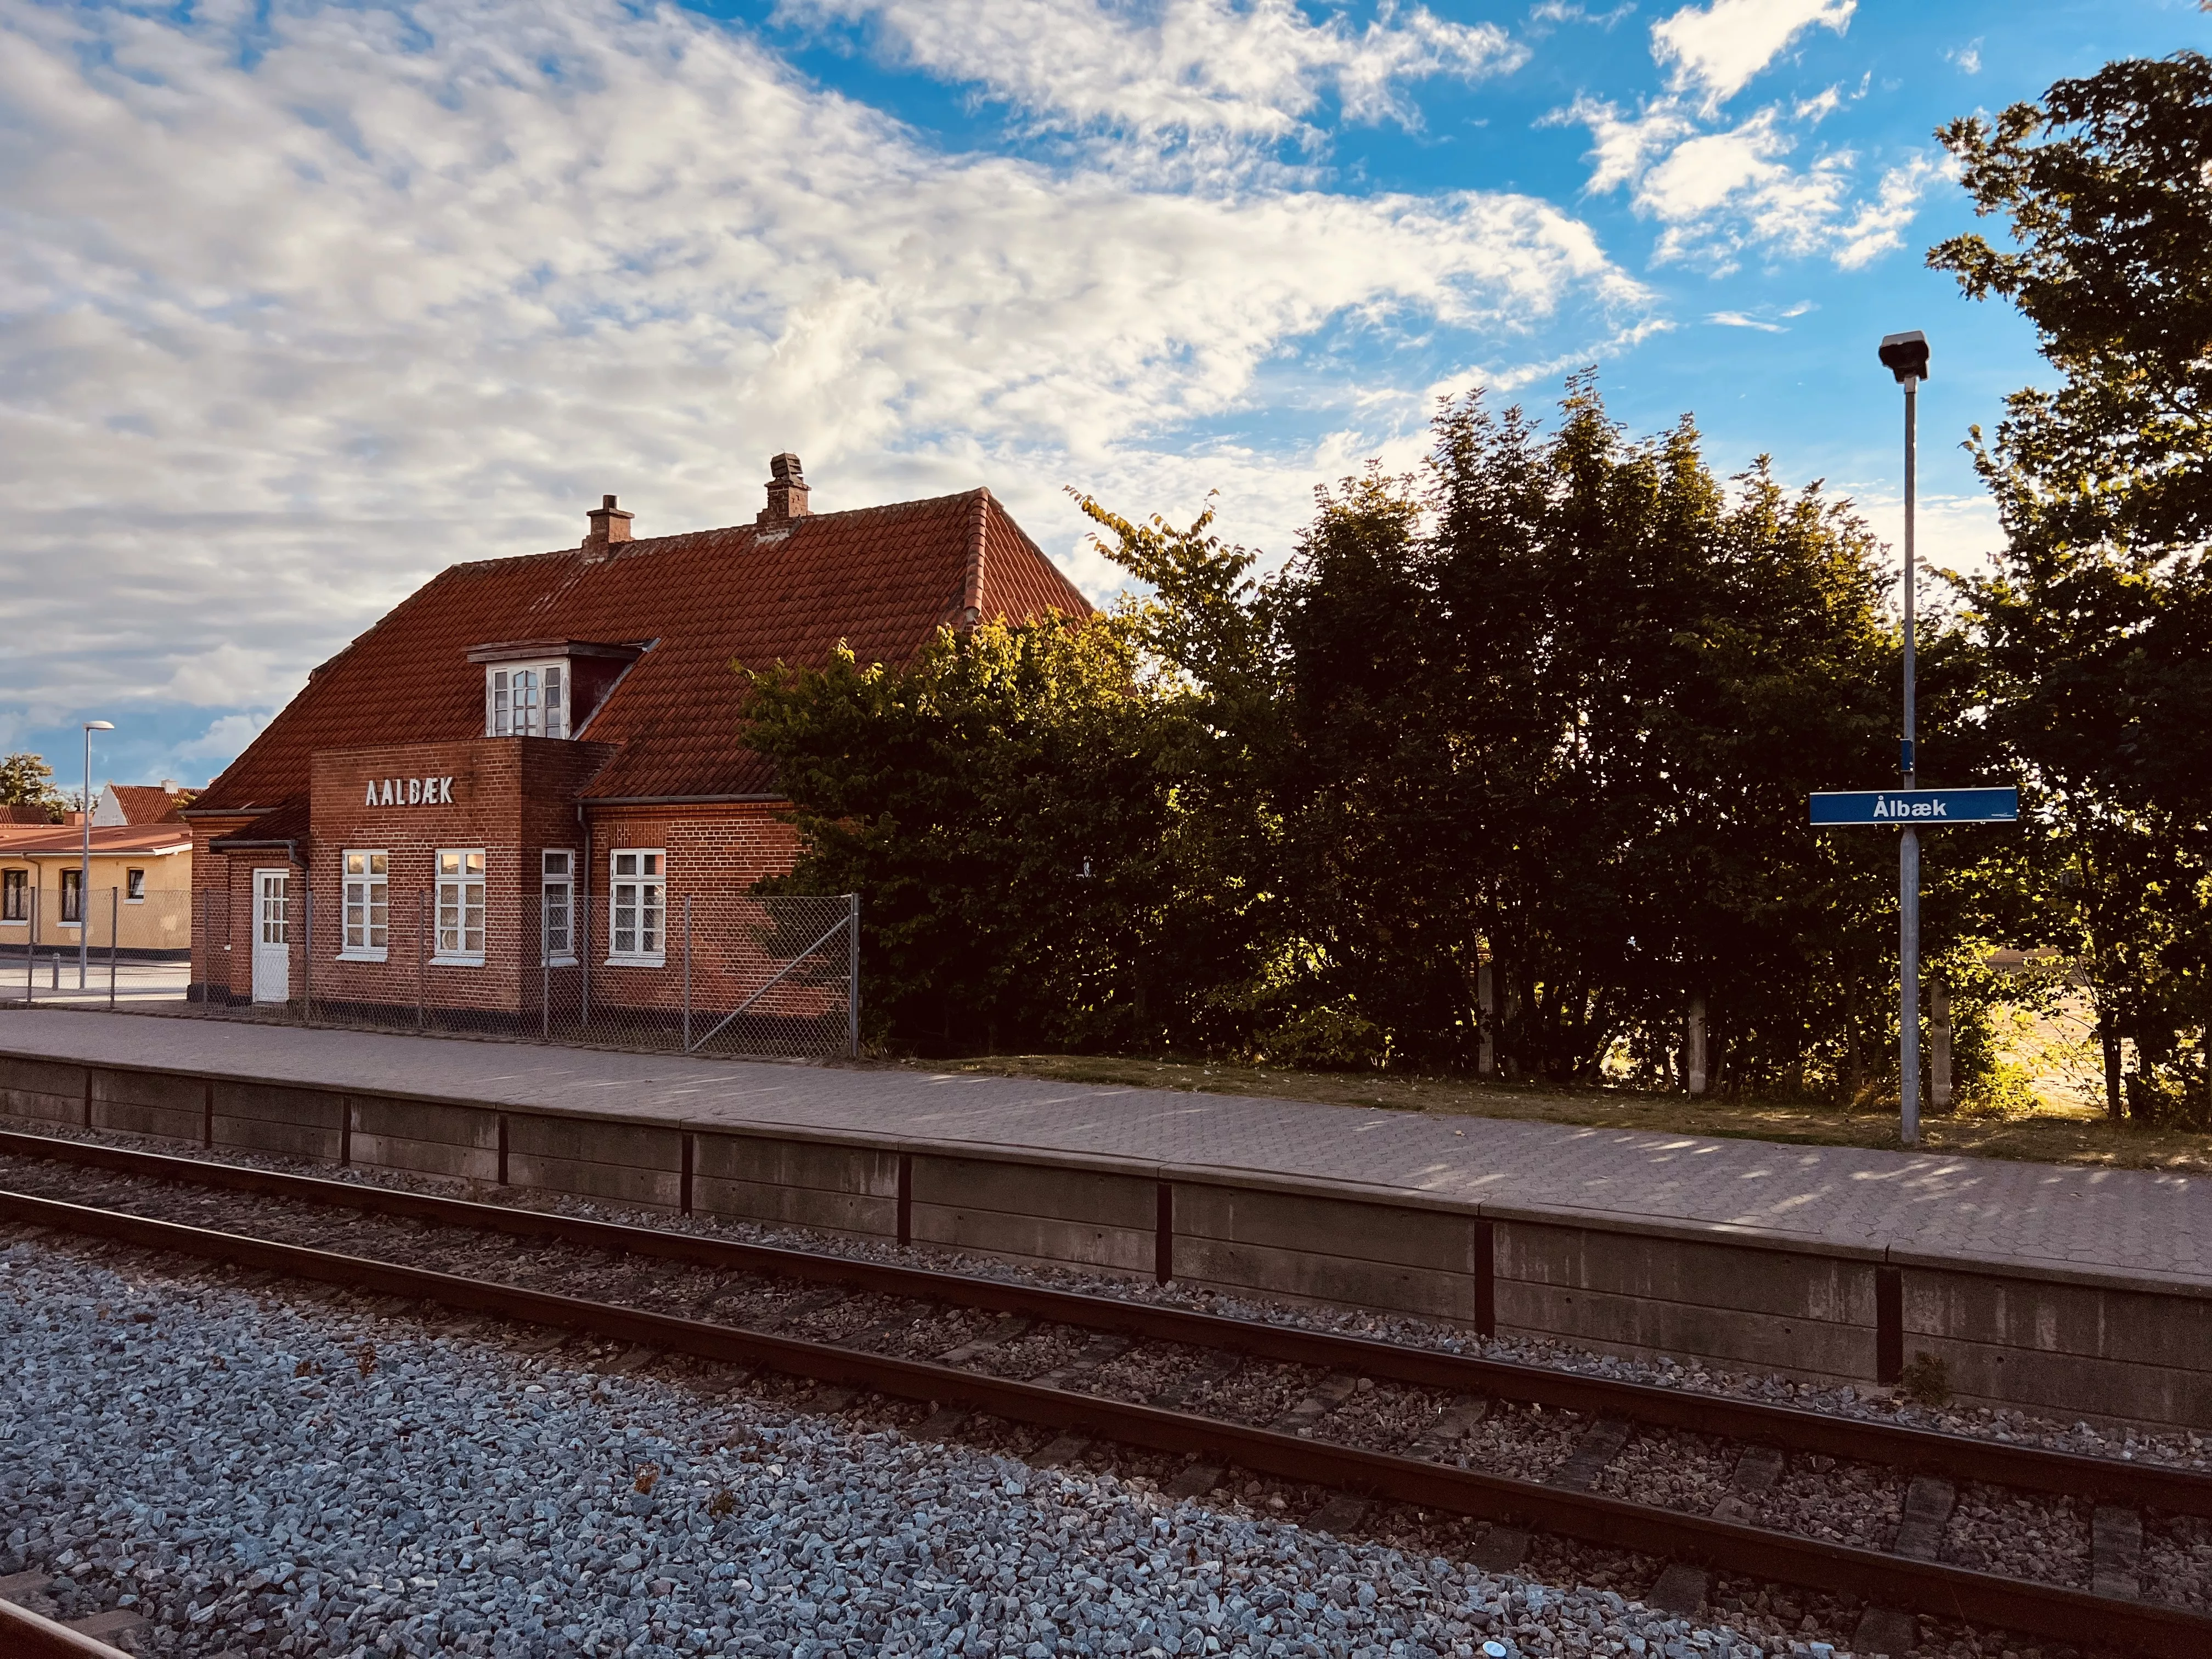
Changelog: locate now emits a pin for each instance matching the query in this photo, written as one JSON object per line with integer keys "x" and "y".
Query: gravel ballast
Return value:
{"x": 2180, "y": 1449}
{"x": 282, "y": 1471}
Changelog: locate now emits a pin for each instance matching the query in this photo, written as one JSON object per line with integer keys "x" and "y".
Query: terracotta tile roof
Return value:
{"x": 23, "y": 815}
{"x": 67, "y": 838}
{"x": 290, "y": 822}
{"x": 882, "y": 579}
{"x": 147, "y": 803}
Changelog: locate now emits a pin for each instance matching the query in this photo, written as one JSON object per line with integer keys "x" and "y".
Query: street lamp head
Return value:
{"x": 100, "y": 725}
{"x": 1905, "y": 355}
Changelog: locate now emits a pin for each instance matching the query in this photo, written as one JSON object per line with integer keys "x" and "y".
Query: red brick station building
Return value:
{"x": 528, "y": 743}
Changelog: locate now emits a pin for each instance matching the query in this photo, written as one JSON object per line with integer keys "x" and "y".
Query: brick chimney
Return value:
{"x": 786, "y": 490}
{"x": 610, "y": 524}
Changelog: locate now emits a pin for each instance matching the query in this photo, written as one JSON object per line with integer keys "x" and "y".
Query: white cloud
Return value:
{"x": 1957, "y": 532}
{"x": 1567, "y": 11}
{"x": 1744, "y": 319}
{"x": 1719, "y": 194}
{"x": 1879, "y": 225}
{"x": 1623, "y": 148}
{"x": 1820, "y": 106}
{"x": 298, "y": 305}
{"x": 1968, "y": 58}
{"x": 228, "y": 674}
{"x": 1242, "y": 70}
{"x": 224, "y": 738}
{"x": 1715, "y": 50}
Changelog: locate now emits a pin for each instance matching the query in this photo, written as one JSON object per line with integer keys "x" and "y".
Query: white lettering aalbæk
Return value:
{"x": 409, "y": 791}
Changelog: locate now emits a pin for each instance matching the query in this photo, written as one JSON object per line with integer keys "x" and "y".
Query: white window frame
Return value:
{"x": 546, "y": 713}
{"x": 25, "y": 887}
{"x": 69, "y": 874}
{"x": 134, "y": 886}
{"x": 455, "y": 875}
{"x": 556, "y": 873}
{"x": 366, "y": 872}
{"x": 641, "y": 873}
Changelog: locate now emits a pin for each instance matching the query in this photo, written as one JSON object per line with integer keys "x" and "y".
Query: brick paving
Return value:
{"x": 2034, "y": 1215}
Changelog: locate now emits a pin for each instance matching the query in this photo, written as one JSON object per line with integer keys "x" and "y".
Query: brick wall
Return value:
{"x": 714, "y": 853}
{"x": 220, "y": 973}
{"x": 512, "y": 797}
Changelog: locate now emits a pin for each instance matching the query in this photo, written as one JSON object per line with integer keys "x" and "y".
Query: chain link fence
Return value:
{"x": 721, "y": 974}
{"x": 122, "y": 947}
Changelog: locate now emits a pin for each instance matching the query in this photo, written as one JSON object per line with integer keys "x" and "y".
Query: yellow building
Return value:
{"x": 140, "y": 893}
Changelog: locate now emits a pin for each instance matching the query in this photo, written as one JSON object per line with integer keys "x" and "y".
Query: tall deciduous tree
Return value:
{"x": 1554, "y": 703}
{"x": 1560, "y": 702}
{"x": 2097, "y": 629}
{"x": 1017, "y": 810}
{"x": 26, "y": 780}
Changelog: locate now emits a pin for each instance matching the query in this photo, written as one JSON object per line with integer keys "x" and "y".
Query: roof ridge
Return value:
{"x": 624, "y": 550}
{"x": 971, "y": 592}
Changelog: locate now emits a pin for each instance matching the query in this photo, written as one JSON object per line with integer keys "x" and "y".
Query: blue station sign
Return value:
{"x": 1917, "y": 806}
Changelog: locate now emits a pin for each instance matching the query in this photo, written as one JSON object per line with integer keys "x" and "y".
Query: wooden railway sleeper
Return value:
{"x": 1682, "y": 1586}
{"x": 1927, "y": 1503}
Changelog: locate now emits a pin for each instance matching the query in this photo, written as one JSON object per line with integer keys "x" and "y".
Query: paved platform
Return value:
{"x": 2027, "y": 1216}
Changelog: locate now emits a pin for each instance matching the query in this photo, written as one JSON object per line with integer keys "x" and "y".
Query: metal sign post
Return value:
{"x": 1907, "y": 809}
{"x": 1910, "y": 365}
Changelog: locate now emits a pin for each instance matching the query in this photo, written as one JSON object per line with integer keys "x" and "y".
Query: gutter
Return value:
{"x": 585, "y": 801}
{"x": 291, "y": 848}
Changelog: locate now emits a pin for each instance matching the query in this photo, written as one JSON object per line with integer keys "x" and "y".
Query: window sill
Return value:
{"x": 637, "y": 961}
{"x": 363, "y": 955}
{"x": 135, "y": 901}
{"x": 25, "y": 922}
{"x": 560, "y": 962}
{"x": 476, "y": 960}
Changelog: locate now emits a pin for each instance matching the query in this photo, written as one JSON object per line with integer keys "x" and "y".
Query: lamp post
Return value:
{"x": 1906, "y": 357}
{"x": 84, "y": 868}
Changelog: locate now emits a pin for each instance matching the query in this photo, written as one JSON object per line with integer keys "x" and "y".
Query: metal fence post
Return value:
{"x": 853, "y": 979}
{"x": 422, "y": 914}
{"x": 306, "y": 953}
{"x": 31, "y": 953}
{"x": 544, "y": 966}
{"x": 687, "y": 973}
{"x": 114, "y": 933}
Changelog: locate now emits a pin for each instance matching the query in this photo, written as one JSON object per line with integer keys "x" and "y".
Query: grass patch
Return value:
{"x": 2047, "y": 1133}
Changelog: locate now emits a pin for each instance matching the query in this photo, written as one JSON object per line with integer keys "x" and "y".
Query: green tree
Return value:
{"x": 1012, "y": 809}
{"x": 26, "y": 780}
{"x": 1553, "y": 704}
{"x": 2108, "y": 185}
{"x": 1560, "y": 701}
{"x": 2096, "y": 632}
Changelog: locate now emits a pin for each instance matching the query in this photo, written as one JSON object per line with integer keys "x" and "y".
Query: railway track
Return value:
{"x": 1087, "y": 1340}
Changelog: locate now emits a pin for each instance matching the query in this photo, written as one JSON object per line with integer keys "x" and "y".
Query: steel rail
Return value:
{"x": 2150, "y": 1629}
{"x": 28, "y": 1635}
{"x": 1958, "y": 1457}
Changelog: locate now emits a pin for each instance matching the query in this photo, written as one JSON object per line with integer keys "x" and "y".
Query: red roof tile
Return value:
{"x": 883, "y": 579}
{"x": 148, "y": 803}
{"x": 68, "y": 840}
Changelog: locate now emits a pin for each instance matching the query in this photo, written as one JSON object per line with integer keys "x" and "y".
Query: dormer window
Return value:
{"x": 549, "y": 687}
{"x": 526, "y": 700}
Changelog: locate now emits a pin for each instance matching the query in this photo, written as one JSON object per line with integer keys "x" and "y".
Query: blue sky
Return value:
{"x": 299, "y": 303}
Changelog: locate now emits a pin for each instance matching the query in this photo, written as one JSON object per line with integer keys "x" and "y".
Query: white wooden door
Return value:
{"x": 272, "y": 942}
